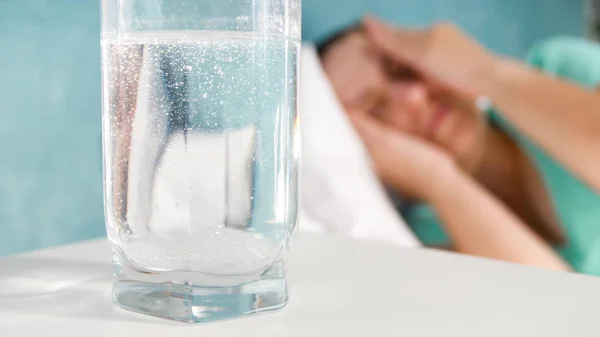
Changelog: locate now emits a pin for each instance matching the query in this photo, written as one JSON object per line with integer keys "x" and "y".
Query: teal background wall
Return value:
{"x": 507, "y": 26}
{"x": 50, "y": 132}
{"x": 50, "y": 108}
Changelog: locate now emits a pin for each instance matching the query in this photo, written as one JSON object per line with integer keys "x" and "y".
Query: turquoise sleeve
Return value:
{"x": 570, "y": 58}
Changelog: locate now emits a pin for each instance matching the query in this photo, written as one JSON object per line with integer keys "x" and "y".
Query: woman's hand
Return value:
{"x": 442, "y": 54}
{"x": 453, "y": 124}
{"x": 448, "y": 65}
{"x": 410, "y": 165}
{"x": 355, "y": 72}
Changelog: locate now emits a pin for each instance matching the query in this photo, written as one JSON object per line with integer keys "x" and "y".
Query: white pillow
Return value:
{"x": 340, "y": 193}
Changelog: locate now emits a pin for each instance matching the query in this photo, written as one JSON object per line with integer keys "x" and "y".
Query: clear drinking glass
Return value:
{"x": 200, "y": 153}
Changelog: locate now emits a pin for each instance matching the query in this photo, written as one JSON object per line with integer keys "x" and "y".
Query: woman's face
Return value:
{"x": 365, "y": 82}
{"x": 453, "y": 124}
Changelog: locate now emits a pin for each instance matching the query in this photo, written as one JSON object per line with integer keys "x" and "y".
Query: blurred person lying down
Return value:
{"x": 518, "y": 182}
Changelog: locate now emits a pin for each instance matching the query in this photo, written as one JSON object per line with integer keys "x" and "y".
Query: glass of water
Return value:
{"x": 200, "y": 153}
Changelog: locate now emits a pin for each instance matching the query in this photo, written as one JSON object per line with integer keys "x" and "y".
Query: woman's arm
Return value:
{"x": 477, "y": 222}
{"x": 480, "y": 225}
{"x": 561, "y": 117}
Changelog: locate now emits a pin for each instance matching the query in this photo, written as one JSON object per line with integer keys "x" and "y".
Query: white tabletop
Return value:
{"x": 338, "y": 288}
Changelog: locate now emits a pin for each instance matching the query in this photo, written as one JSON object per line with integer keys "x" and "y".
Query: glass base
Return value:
{"x": 186, "y": 302}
